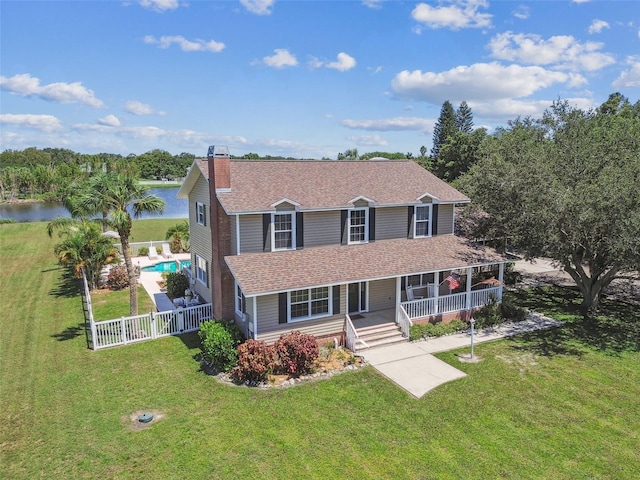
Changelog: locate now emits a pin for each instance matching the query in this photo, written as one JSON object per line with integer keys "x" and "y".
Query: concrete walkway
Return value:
{"x": 412, "y": 367}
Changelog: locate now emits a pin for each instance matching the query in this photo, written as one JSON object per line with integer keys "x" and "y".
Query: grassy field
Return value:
{"x": 560, "y": 404}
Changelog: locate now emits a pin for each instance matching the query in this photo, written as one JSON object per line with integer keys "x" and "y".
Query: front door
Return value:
{"x": 357, "y": 297}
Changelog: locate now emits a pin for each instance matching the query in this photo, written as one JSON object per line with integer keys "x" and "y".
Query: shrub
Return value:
{"x": 296, "y": 352}
{"x": 7, "y": 220}
{"x": 256, "y": 360}
{"x": 159, "y": 250}
{"x": 489, "y": 315}
{"x": 118, "y": 278}
{"x": 219, "y": 344}
{"x": 175, "y": 246}
{"x": 510, "y": 311}
{"x": 511, "y": 276}
{"x": 177, "y": 283}
{"x": 143, "y": 251}
{"x": 421, "y": 330}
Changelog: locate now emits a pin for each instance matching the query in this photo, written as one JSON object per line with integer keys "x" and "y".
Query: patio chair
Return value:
{"x": 166, "y": 251}
{"x": 410, "y": 295}
{"x": 153, "y": 255}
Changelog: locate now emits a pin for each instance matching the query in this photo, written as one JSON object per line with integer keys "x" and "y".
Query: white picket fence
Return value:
{"x": 149, "y": 326}
{"x": 152, "y": 325}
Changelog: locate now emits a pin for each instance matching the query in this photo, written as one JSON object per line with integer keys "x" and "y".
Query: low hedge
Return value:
{"x": 422, "y": 330}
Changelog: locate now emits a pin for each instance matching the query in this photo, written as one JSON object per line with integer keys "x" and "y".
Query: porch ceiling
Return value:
{"x": 261, "y": 273}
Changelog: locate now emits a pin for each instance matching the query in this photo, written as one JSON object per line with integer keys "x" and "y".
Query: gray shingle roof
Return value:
{"x": 260, "y": 273}
{"x": 257, "y": 185}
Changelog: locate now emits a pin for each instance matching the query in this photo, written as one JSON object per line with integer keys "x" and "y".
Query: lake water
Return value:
{"x": 44, "y": 212}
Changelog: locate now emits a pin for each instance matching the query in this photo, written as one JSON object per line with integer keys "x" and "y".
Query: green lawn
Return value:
{"x": 560, "y": 404}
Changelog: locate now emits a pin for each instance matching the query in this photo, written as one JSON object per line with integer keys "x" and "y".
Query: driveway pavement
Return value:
{"x": 412, "y": 367}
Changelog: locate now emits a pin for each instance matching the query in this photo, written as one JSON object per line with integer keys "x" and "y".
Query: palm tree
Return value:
{"x": 83, "y": 247}
{"x": 118, "y": 195}
{"x": 179, "y": 233}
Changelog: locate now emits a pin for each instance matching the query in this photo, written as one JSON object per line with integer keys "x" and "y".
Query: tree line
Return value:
{"x": 47, "y": 173}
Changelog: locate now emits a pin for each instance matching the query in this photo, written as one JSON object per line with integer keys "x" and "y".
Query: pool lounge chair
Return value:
{"x": 166, "y": 251}
{"x": 153, "y": 254}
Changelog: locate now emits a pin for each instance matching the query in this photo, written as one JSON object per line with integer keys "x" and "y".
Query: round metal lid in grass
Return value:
{"x": 145, "y": 417}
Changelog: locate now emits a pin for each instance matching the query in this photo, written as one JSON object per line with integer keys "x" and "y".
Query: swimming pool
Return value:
{"x": 169, "y": 266}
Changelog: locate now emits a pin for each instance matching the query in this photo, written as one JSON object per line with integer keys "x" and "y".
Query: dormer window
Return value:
{"x": 358, "y": 225}
{"x": 283, "y": 231}
{"x": 422, "y": 221}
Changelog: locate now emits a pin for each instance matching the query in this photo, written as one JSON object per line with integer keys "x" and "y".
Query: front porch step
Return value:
{"x": 380, "y": 335}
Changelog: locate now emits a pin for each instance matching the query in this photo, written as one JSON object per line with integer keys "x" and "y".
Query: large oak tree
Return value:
{"x": 567, "y": 187}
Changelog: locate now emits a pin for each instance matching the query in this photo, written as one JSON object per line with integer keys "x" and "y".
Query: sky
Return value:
{"x": 303, "y": 79}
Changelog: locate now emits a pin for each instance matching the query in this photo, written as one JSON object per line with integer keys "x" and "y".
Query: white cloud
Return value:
{"x": 580, "y": 1}
{"x": 185, "y": 45}
{"x": 597, "y": 26}
{"x": 343, "y": 63}
{"x": 159, "y": 5}
{"x": 139, "y": 108}
{"x": 259, "y": 7}
{"x": 45, "y": 123}
{"x": 374, "y": 4}
{"x": 629, "y": 78}
{"x": 391, "y": 124}
{"x": 562, "y": 51}
{"x": 480, "y": 82}
{"x": 109, "y": 121}
{"x": 455, "y": 14}
{"x": 368, "y": 140}
{"x": 522, "y": 12}
{"x": 27, "y": 86}
{"x": 280, "y": 59}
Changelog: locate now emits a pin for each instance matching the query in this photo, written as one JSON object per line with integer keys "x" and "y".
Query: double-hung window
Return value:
{"x": 202, "y": 270}
{"x": 201, "y": 213}
{"x": 283, "y": 231}
{"x": 309, "y": 303}
{"x": 359, "y": 225}
{"x": 241, "y": 302}
{"x": 422, "y": 222}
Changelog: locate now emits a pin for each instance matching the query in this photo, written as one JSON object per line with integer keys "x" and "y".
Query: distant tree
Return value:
{"x": 444, "y": 128}
{"x": 409, "y": 155}
{"x": 464, "y": 118}
{"x": 350, "y": 154}
{"x": 423, "y": 151}
{"x": 566, "y": 187}
{"x": 389, "y": 155}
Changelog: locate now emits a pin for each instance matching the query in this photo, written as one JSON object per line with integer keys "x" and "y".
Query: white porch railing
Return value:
{"x": 125, "y": 330}
{"x": 404, "y": 321}
{"x": 449, "y": 303}
{"x": 351, "y": 335}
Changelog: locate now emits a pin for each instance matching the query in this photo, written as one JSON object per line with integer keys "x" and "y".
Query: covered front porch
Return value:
{"x": 423, "y": 297}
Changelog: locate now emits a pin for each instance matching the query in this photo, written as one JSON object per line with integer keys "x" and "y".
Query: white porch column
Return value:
{"x": 501, "y": 279}
{"x": 436, "y": 279}
{"x": 469, "y": 277}
{"x": 398, "y": 297}
{"x": 255, "y": 318}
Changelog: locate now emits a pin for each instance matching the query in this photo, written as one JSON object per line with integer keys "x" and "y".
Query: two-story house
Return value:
{"x": 325, "y": 246}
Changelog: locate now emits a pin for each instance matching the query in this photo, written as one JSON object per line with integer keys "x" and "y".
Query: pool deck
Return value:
{"x": 149, "y": 280}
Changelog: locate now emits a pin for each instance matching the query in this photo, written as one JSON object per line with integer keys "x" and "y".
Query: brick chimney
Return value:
{"x": 219, "y": 167}
{"x": 222, "y": 284}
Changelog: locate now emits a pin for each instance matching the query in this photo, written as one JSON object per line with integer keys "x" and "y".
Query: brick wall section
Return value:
{"x": 221, "y": 279}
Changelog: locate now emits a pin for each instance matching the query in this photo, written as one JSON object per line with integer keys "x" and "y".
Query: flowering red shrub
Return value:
{"x": 256, "y": 360}
{"x": 118, "y": 278}
{"x": 296, "y": 352}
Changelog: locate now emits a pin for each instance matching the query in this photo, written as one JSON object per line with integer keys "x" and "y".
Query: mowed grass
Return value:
{"x": 560, "y": 404}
